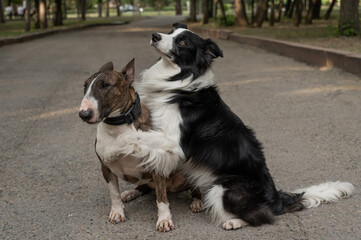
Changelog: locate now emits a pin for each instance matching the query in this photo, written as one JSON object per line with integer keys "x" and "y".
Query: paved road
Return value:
{"x": 51, "y": 185}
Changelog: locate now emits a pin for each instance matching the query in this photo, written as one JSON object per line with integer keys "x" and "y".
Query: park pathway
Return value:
{"x": 51, "y": 185}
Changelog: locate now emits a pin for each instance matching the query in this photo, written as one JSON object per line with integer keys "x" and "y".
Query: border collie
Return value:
{"x": 208, "y": 141}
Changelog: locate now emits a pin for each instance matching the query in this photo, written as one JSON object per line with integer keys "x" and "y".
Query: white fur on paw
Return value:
{"x": 234, "y": 224}
{"x": 116, "y": 215}
{"x": 129, "y": 195}
{"x": 164, "y": 225}
{"x": 196, "y": 205}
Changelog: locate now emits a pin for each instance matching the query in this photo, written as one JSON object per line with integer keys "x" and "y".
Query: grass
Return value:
{"x": 322, "y": 33}
{"x": 16, "y": 27}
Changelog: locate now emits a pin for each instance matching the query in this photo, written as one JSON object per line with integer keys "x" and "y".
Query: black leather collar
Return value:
{"x": 129, "y": 117}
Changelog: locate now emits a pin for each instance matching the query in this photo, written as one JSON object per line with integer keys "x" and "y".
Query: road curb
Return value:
{"x": 317, "y": 56}
{"x": 33, "y": 36}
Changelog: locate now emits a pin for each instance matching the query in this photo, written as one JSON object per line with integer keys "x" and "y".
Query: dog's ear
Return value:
{"x": 128, "y": 72}
{"x": 212, "y": 49}
{"x": 107, "y": 67}
{"x": 179, "y": 25}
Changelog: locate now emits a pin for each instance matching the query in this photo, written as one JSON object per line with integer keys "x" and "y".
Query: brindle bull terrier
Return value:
{"x": 112, "y": 103}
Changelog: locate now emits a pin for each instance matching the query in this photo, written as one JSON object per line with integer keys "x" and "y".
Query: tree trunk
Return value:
{"x": 266, "y": 12}
{"x": 316, "y": 14}
{"x": 65, "y": 10}
{"x": 223, "y": 11}
{"x": 288, "y": 7}
{"x": 241, "y": 16}
{"x": 298, "y": 14}
{"x": 58, "y": 16}
{"x": 37, "y": 14}
{"x": 279, "y": 11}
{"x": 178, "y": 7}
{"x": 107, "y": 8}
{"x": 205, "y": 11}
{"x": 43, "y": 14}
{"x": 27, "y": 15}
{"x": 210, "y": 8}
{"x": 83, "y": 9}
{"x": 118, "y": 3}
{"x": 349, "y": 24}
{"x": 215, "y": 8}
{"x": 309, "y": 16}
{"x": 292, "y": 8}
{"x": 2, "y": 16}
{"x": 252, "y": 11}
{"x": 328, "y": 13}
{"x": 100, "y": 8}
{"x": 193, "y": 11}
{"x": 272, "y": 17}
{"x": 260, "y": 13}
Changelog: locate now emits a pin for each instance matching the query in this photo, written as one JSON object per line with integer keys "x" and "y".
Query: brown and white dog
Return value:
{"x": 111, "y": 102}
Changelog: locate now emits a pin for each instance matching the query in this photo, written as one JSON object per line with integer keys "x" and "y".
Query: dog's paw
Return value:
{"x": 129, "y": 195}
{"x": 164, "y": 225}
{"x": 116, "y": 215}
{"x": 196, "y": 205}
{"x": 234, "y": 224}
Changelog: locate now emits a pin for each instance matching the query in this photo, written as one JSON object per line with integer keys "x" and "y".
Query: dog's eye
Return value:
{"x": 183, "y": 43}
{"x": 84, "y": 85}
{"x": 105, "y": 84}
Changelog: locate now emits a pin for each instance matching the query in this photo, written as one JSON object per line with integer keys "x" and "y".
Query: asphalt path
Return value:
{"x": 51, "y": 185}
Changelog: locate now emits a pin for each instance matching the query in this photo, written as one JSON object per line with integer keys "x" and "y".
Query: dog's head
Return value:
{"x": 105, "y": 92}
{"x": 185, "y": 48}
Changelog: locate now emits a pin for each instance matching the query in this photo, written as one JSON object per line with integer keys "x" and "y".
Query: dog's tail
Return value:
{"x": 315, "y": 195}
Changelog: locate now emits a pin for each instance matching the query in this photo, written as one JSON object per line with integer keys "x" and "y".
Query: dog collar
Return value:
{"x": 129, "y": 117}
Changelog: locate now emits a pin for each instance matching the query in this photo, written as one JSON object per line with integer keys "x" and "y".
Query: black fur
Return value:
{"x": 214, "y": 137}
{"x": 195, "y": 56}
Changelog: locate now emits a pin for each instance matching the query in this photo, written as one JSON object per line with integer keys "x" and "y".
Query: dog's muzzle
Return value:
{"x": 86, "y": 115}
{"x": 156, "y": 37}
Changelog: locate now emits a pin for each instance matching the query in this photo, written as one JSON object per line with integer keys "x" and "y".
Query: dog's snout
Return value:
{"x": 156, "y": 37}
{"x": 86, "y": 115}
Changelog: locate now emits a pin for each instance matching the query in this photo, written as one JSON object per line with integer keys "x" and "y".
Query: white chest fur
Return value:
{"x": 108, "y": 150}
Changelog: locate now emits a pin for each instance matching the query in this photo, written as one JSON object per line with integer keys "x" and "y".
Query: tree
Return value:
{"x": 205, "y": 11}
{"x": 58, "y": 16}
{"x": 260, "y": 13}
{"x": 309, "y": 16}
{"x": 272, "y": 18}
{"x": 279, "y": 11}
{"x": 328, "y": 13}
{"x": 107, "y": 8}
{"x": 349, "y": 23}
{"x": 118, "y": 3}
{"x": 100, "y": 8}
{"x": 83, "y": 9}
{"x": 43, "y": 14}
{"x": 27, "y": 15}
{"x": 178, "y": 7}
{"x": 193, "y": 11}
{"x": 37, "y": 15}
{"x": 241, "y": 16}
{"x": 298, "y": 14}
{"x": 317, "y": 10}
{"x": 2, "y": 17}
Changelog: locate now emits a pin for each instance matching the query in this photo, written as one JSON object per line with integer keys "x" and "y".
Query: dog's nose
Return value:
{"x": 86, "y": 115}
{"x": 156, "y": 37}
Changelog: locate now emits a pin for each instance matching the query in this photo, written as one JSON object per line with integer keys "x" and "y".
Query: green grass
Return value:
{"x": 16, "y": 28}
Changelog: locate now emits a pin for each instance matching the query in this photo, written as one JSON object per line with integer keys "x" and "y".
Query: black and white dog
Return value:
{"x": 211, "y": 144}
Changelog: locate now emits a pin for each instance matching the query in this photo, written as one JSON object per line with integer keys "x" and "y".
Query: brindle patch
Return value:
{"x": 160, "y": 187}
{"x": 130, "y": 179}
{"x": 143, "y": 122}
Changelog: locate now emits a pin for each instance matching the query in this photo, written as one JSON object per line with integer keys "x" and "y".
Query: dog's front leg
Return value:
{"x": 117, "y": 210}
{"x": 164, "y": 222}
